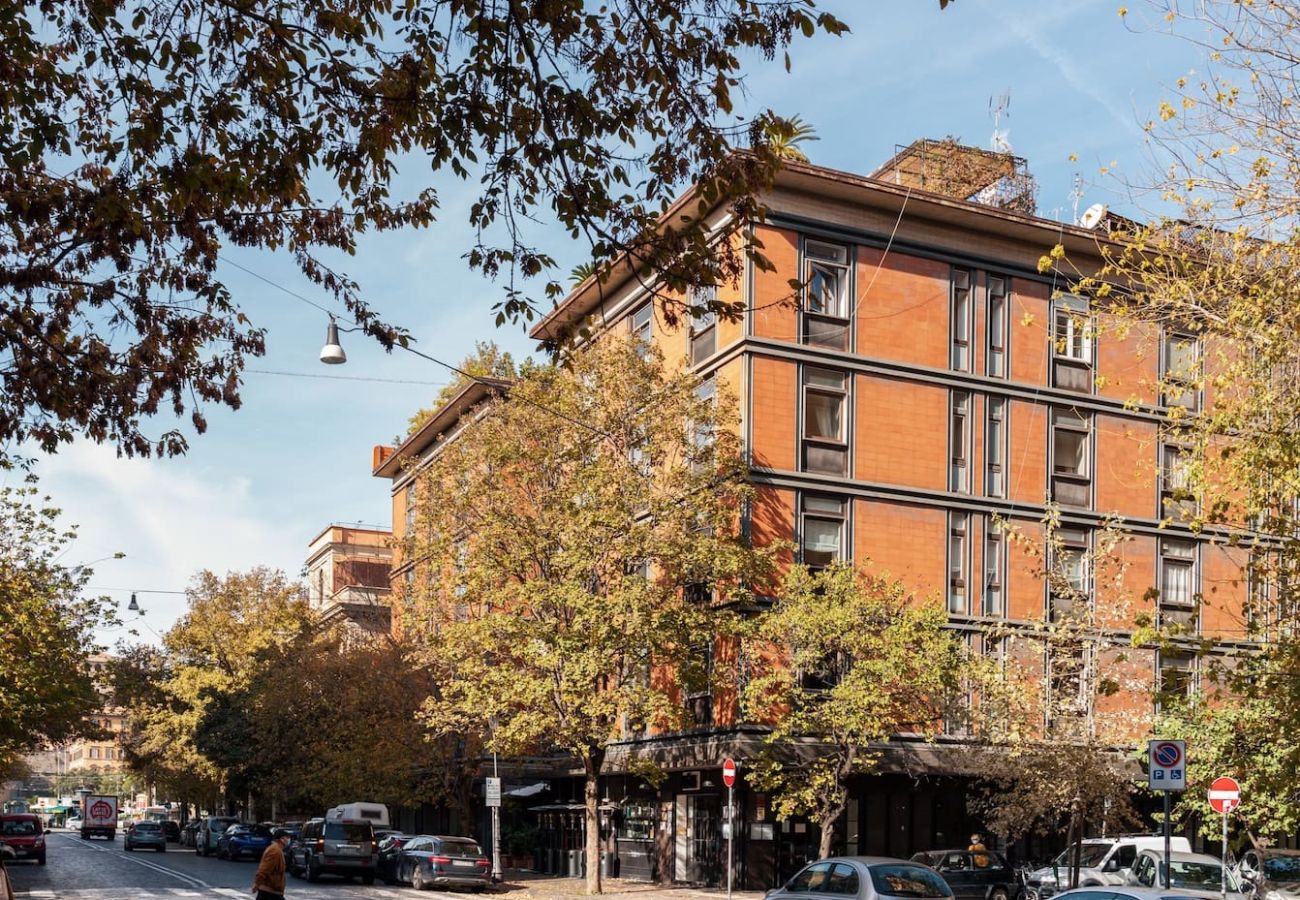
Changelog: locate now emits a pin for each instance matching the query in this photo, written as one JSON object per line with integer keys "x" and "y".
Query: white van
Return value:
{"x": 374, "y": 813}
{"x": 1101, "y": 861}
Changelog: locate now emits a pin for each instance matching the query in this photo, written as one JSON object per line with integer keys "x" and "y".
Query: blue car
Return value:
{"x": 241, "y": 840}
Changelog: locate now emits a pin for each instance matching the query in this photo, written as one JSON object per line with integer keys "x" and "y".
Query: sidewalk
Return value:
{"x": 522, "y": 885}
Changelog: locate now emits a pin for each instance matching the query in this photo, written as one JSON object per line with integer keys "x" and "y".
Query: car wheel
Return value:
{"x": 998, "y": 893}
{"x": 313, "y": 870}
{"x": 417, "y": 879}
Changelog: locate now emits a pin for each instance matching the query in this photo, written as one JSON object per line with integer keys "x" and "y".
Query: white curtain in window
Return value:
{"x": 822, "y": 416}
{"x": 821, "y": 536}
{"x": 1177, "y": 586}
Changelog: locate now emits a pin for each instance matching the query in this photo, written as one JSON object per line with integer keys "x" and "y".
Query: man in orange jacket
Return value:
{"x": 268, "y": 883}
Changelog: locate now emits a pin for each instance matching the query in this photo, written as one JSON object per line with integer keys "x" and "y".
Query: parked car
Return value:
{"x": 1196, "y": 873}
{"x": 189, "y": 831}
{"x": 1275, "y": 874}
{"x": 24, "y": 834}
{"x": 243, "y": 840}
{"x": 390, "y": 854}
{"x": 171, "y": 830}
{"x": 72, "y": 823}
{"x": 1126, "y": 892}
{"x": 211, "y": 828}
{"x": 1101, "y": 861}
{"x": 428, "y": 861}
{"x": 982, "y": 876}
{"x": 145, "y": 835}
{"x": 867, "y": 878}
{"x": 345, "y": 847}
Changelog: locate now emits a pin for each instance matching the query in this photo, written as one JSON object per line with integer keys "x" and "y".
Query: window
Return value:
{"x": 994, "y": 569}
{"x": 995, "y": 363}
{"x": 1069, "y": 584}
{"x": 1178, "y": 583}
{"x": 844, "y": 880}
{"x": 826, "y": 307}
{"x": 699, "y": 703}
{"x": 1176, "y": 499}
{"x": 702, "y": 433}
{"x": 958, "y": 563}
{"x": 825, "y": 396}
{"x": 959, "y": 442}
{"x": 1067, "y": 704}
{"x": 94, "y": 753}
{"x": 1071, "y": 463}
{"x": 704, "y": 327}
{"x": 1072, "y": 332}
{"x": 995, "y": 451}
{"x": 1180, "y": 371}
{"x": 1177, "y": 676}
{"x": 640, "y": 324}
{"x": 822, "y": 530}
{"x": 412, "y": 507}
{"x": 961, "y": 319}
{"x": 812, "y": 879}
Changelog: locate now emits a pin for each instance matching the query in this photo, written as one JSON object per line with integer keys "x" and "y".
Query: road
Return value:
{"x": 96, "y": 869}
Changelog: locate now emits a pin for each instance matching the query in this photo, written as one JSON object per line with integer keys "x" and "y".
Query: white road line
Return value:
{"x": 180, "y": 876}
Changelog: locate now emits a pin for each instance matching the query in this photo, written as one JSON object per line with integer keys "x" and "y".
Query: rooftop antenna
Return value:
{"x": 999, "y": 107}
{"x": 1076, "y": 194}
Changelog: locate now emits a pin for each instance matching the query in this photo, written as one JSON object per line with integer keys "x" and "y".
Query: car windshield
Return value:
{"x": 20, "y": 827}
{"x": 1196, "y": 875}
{"x": 460, "y": 848}
{"x": 1090, "y": 856}
{"x": 260, "y": 831}
{"x": 223, "y": 824}
{"x": 348, "y": 831}
{"x": 1282, "y": 868}
{"x": 147, "y": 826}
{"x": 900, "y": 880}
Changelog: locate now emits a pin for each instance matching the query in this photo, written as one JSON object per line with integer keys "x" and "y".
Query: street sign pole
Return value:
{"x": 494, "y": 804}
{"x": 1224, "y": 796}
{"x": 1166, "y": 772}
{"x": 729, "y": 779}
{"x": 1167, "y": 841}
{"x": 1223, "y": 880}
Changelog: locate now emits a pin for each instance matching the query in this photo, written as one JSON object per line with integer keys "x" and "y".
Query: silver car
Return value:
{"x": 1125, "y": 892}
{"x": 1192, "y": 873}
{"x": 865, "y": 877}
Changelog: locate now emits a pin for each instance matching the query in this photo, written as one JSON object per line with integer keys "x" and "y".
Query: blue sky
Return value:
{"x": 264, "y": 480}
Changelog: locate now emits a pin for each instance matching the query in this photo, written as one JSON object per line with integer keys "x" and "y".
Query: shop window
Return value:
{"x": 1072, "y": 344}
{"x": 704, "y": 325}
{"x": 825, "y": 403}
{"x": 826, "y": 295}
{"x": 958, "y": 563}
{"x": 960, "y": 316}
{"x": 1178, "y": 589}
{"x": 959, "y": 442}
{"x": 995, "y": 569}
{"x": 1180, "y": 371}
{"x": 995, "y": 450}
{"x": 641, "y": 325}
{"x": 1071, "y": 458}
{"x": 822, "y": 530}
{"x": 999, "y": 301}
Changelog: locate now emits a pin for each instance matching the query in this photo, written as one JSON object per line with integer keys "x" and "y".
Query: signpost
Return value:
{"x": 729, "y": 779}
{"x": 1166, "y": 772}
{"x": 492, "y": 799}
{"x": 1225, "y": 796}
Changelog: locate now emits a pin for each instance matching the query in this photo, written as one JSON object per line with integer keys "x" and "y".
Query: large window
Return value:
{"x": 959, "y": 442}
{"x": 641, "y": 323}
{"x": 1176, "y": 499}
{"x": 995, "y": 363}
{"x": 1067, "y": 700}
{"x": 702, "y": 433}
{"x": 1070, "y": 583}
{"x": 1177, "y": 676}
{"x": 826, "y": 297}
{"x": 1071, "y": 458}
{"x": 704, "y": 327}
{"x": 961, "y": 315}
{"x": 958, "y": 563}
{"x": 1180, "y": 371}
{"x": 821, "y": 530}
{"x": 1178, "y": 589}
{"x": 1072, "y": 340}
{"x": 995, "y": 570}
{"x": 825, "y": 446}
{"x": 995, "y": 449}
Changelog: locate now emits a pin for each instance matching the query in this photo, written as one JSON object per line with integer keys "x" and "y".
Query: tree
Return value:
{"x": 849, "y": 660}
{"x": 47, "y": 629}
{"x": 487, "y": 361}
{"x": 144, "y": 140}
{"x": 571, "y": 540}
{"x": 786, "y": 135}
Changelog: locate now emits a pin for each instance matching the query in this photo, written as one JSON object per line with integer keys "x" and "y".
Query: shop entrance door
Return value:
{"x": 705, "y": 866}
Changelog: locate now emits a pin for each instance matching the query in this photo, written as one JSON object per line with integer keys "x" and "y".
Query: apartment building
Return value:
{"x": 348, "y": 577}
{"x": 928, "y": 379}
{"x": 103, "y": 754}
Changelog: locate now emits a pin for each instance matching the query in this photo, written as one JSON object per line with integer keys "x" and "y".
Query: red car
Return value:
{"x": 24, "y": 833}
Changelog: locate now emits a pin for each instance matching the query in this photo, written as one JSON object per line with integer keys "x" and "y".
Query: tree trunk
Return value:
{"x": 830, "y": 814}
{"x": 591, "y": 797}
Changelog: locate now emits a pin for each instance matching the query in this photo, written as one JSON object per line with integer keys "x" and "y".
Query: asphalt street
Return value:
{"x": 97, "y": 869}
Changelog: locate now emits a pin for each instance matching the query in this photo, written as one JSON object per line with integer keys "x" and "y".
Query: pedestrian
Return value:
{"x": 979, "y": 853}
{"x": 268, "y": 883}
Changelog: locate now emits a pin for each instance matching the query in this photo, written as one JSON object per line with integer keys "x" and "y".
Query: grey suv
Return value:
{"x": 344, "y": 847}
{"x": 210, "y": 830}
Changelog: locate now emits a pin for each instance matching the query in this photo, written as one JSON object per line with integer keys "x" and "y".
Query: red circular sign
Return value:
{"x": 101, "y": 810}
{"x": 729, "y": 771}
{"x": 1225, "y": 795}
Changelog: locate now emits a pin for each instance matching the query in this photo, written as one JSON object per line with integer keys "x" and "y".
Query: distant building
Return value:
{"x": 347, "y": 577}
{"x": 103, "y": 754}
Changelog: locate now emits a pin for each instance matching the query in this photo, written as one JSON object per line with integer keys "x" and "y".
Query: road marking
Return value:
{"x": 179, "y": 876}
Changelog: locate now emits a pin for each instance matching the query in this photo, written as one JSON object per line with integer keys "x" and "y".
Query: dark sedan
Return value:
{"x": 145, "y": 836}
{"x": 983, "y": 875}
{"x": 390, "y": 854}
{"x": 428, "y": 861}
{"x": 243, "y": 840}
{"x": 172, "y": 831}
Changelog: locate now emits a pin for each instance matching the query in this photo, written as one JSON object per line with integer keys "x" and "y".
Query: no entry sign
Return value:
{"x": 1225, "y": 795}
{"x": 729, "y": 772}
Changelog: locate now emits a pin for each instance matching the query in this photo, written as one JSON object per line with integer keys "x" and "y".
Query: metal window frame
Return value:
{"x": 845, "y": 395}
{"x": 847, "y": 267}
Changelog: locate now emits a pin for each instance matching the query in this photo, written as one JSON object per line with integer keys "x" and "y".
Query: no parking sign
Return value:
{"x": 1167, "y": 769}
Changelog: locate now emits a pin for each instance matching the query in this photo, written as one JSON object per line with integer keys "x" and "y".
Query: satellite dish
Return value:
{"x": 1093, "y": 215}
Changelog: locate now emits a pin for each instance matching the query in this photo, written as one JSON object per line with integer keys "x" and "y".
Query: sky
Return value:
{"x": 264, "y": 480}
